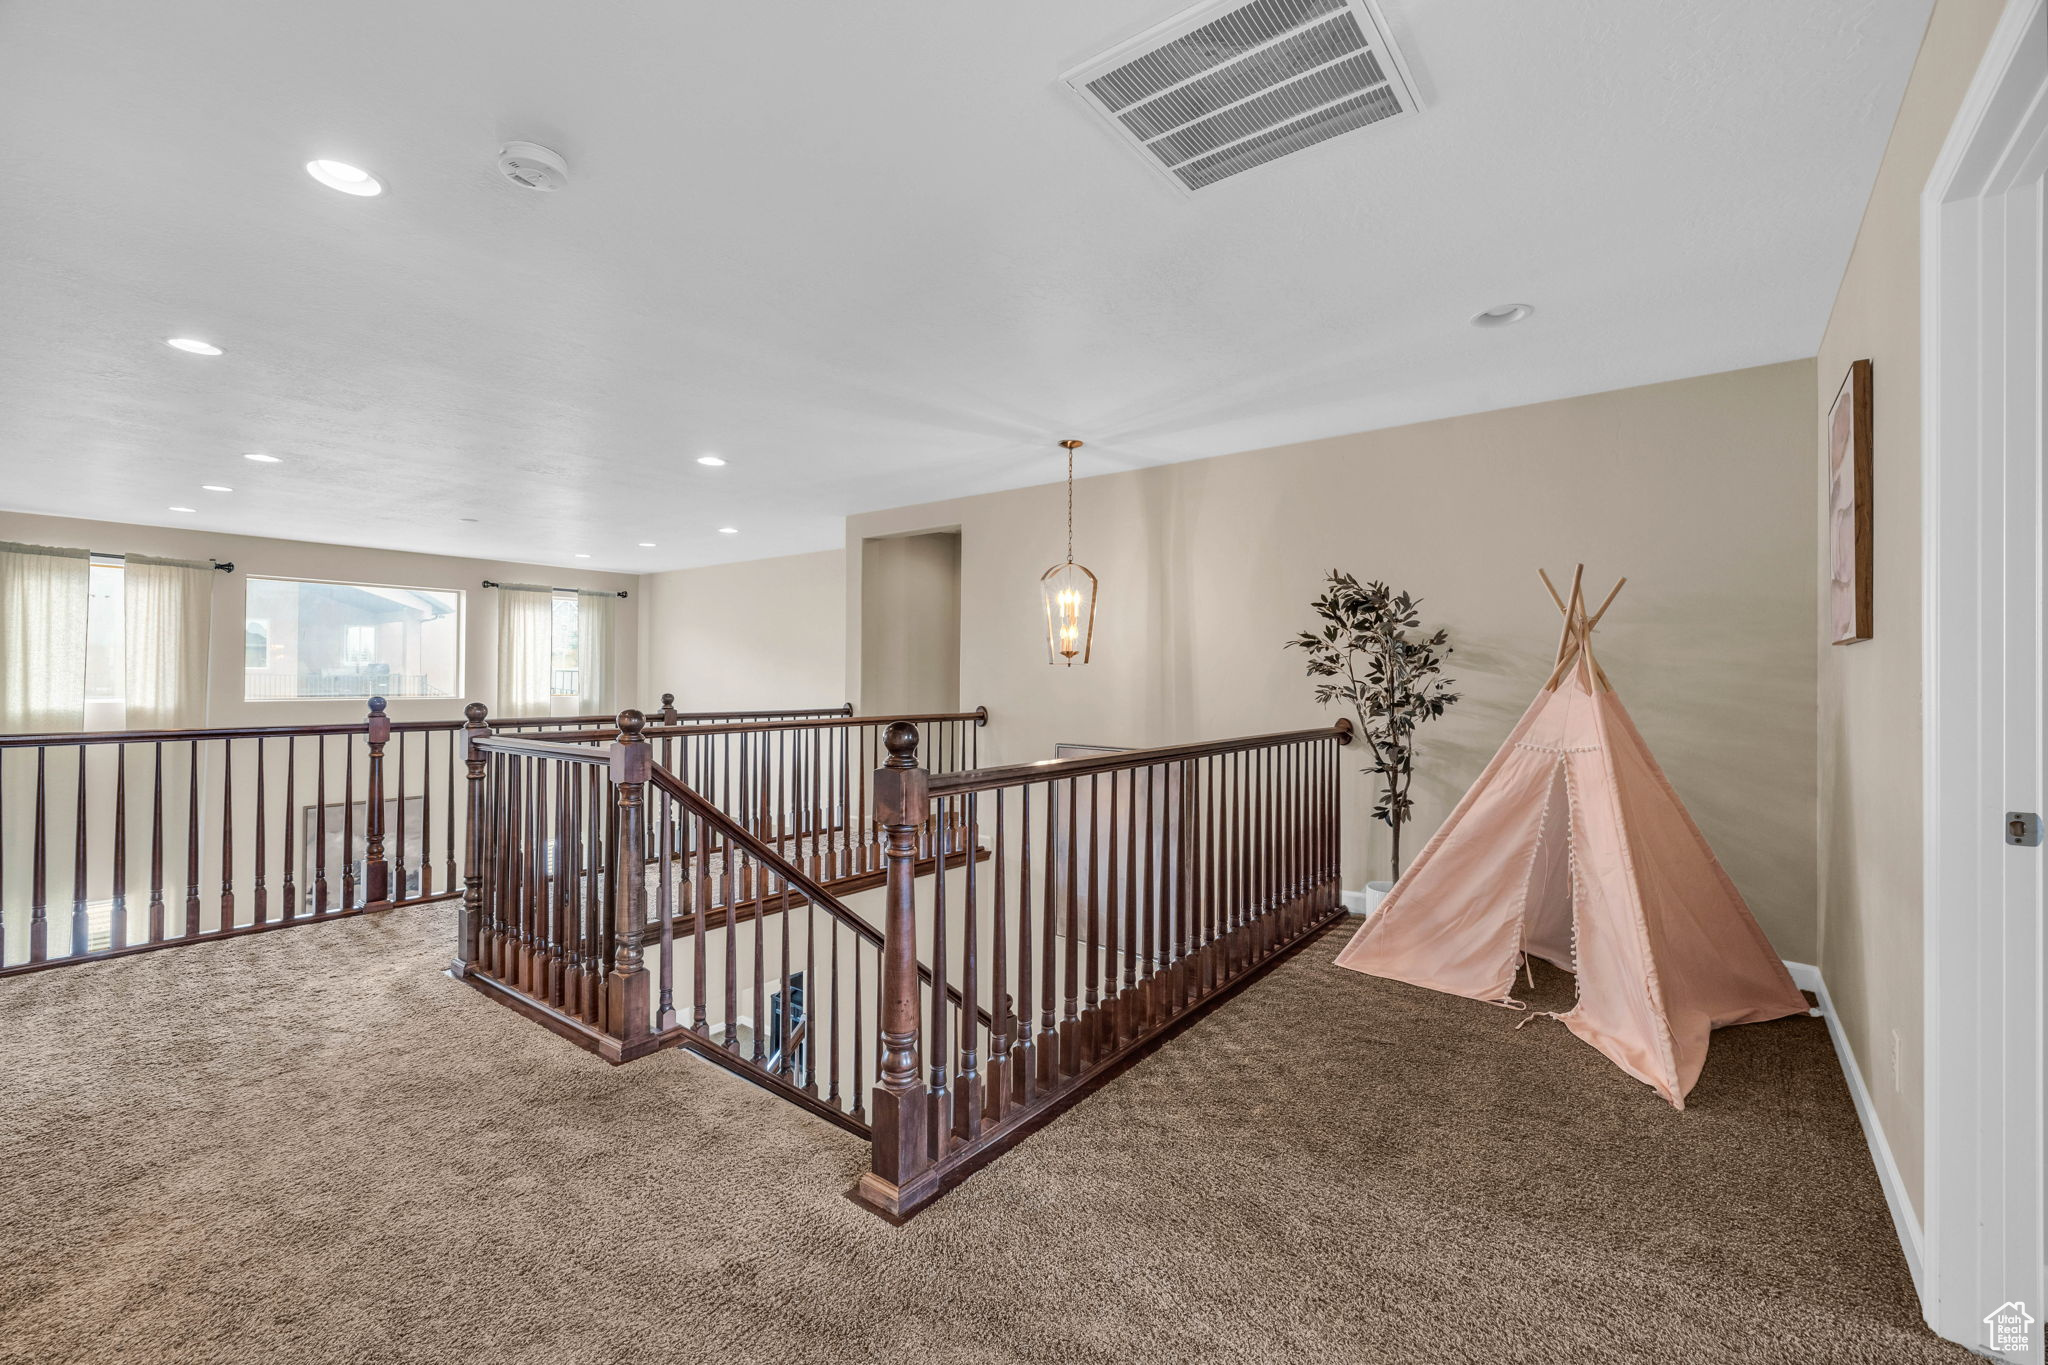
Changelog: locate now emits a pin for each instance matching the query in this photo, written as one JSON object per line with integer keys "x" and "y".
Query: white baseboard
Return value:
{"x": 1807, "y": 977}
{"x": 1354, "y": 902}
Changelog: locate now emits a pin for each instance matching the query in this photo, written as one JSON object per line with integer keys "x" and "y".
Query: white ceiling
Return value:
{"x": 871, "y": 253}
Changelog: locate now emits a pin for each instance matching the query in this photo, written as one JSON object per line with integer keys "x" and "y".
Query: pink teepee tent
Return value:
{"x": 1573, "y": 847}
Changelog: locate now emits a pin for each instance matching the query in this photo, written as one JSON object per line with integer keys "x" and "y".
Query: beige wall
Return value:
{"x": 1701, "y": 491}
{"x": 1869, "y": 693}
{"x": 303, "y": 559}
{"x": 747, "y": 637}
{"x": 909, "y": 624}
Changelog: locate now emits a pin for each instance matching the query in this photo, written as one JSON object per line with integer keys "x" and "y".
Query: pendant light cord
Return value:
{"x": 1070, "y": 504}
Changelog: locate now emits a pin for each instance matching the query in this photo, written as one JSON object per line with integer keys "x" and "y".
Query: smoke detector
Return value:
{"x": 533, "y": 167}
{"x": 1230, "y": 86}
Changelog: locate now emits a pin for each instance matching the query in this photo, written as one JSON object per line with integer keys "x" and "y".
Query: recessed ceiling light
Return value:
{"x": 712, "y": 460}
{"x": 181, "y": 509}
{"x": 1503, "y": 315}
{"x": 194, "y": 347}
{"x": 465, "y": 518}
{"x": 728, "y": 530}
{"x": 583, "y": 556}
{"x": 216, "y": 488}
{"x": 260, "y": 458}
{"x": 339, "y": 175}
{"x": 646, "y": 544}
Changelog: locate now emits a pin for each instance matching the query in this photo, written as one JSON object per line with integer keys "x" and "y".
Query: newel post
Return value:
{"x": 668, "y": 708}
{"x": 469, "y": 921}
{"x": 627, "y": 1002}
{"x": 376, "y": 867}
{"x": 901, "y": 1144}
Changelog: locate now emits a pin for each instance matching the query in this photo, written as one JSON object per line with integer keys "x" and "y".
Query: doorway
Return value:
{"x": 910, "y": 624}
{"x": 1982, "y": 235}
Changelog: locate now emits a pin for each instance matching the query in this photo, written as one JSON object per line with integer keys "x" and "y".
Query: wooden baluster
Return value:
{"x": 834, "y": 1040}
{"x": 397, "y": 891}
{"x": 1090, "y": 909}
{"x": 1155, "y": 832}
{"x": 320, "y": 895}
{"x": 901, "y": 1152}
{"x": 761, "y": 776}
{"x": 425, "y": 859}
{"x": 555, "y": 976}
{"x": 996, "y": 1095}
{"x": 859, "y": 1109}
{"x": 448, "y": 822}
{"x": 938, "y": 1106}
{"x": 191, "y": 838}
{"x": 469, "y": 920}
{"x": 1048, "y": 1016}
{"x": 967, "y": 1118}
{"x": 665, "y": 908}
{"x": 700, "y": 924}
{"x": 1027, "y": 1068}
{"x": 595, "y": 789}
{"x": 258, "y": 884}
{"x": 117, "y": 924}
{"x": 1071, "y": 1056}
{"x": 227, "y": 835}
{"x": 505, "y": 870}
{"x": 348, "y": 824}
{"x": 627, "y": 1005}
{"x": 81, "y": 929}
{"x": 291, "y": 825}
{"x": 156, "y": 844}
{"x": 39, "y": 905}
{"x": 1127, "y": 994}
{"x": 1108, "y": 1033}
{"x": 376, "y": 866}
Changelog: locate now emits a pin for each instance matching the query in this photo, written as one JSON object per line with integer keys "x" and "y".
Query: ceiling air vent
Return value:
{"x": 1227, "y": 87}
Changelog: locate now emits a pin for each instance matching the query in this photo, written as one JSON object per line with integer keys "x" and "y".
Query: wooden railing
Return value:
{"x": 616, "y": 905}
{"x": 117, "y": 842}
{"x": 1125, "y": 892}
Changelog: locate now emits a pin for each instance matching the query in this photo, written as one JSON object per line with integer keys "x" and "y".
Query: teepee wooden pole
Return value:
{"x": 1605, "y": 605}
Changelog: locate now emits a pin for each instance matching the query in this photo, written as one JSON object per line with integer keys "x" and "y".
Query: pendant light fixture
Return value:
{"x": 1069, "y": 592}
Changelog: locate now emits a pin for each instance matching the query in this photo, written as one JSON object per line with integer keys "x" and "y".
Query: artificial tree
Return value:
{"x": 1393, "y": 680}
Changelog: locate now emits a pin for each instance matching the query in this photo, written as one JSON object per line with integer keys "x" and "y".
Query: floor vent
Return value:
{"x": 1227, "y": 87}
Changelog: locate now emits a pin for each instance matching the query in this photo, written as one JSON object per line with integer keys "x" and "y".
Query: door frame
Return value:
{"x": 1982, "y": 276}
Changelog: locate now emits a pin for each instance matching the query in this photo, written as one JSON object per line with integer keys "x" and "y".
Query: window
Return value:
{"x": 106, "y": 645}
{"x": 311, "y": 640}
{"x": 562, "y": 662}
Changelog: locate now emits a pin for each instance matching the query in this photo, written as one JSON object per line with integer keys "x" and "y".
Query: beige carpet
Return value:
{"x": 309, "y": 1146}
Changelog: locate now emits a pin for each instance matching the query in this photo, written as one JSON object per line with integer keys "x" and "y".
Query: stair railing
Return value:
{"x": 1122, "y": 893}
{"x": 616, "y": 905}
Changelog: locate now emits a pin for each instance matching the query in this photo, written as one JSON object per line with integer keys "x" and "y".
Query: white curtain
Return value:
{"x": 45, "y": 595}
{"x": 526, "y": 628}
{"x": 168, "y": 605}
{"x": 594, "y": 614}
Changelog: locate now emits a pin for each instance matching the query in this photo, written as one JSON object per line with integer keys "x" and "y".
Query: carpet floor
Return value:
{"x": 310, "y": 1146}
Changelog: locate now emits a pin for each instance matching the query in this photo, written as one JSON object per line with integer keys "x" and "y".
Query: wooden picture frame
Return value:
{"x": 1850, "y": 562}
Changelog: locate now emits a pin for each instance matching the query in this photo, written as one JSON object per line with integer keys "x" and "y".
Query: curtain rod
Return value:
{"x": 228, "y": 567}
{"x": 489, "y": 584}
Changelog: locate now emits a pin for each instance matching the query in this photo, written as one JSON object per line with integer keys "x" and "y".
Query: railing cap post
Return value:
{"x": 631, "y": 759}
{"x": 668, "y": 708}
{"x": 379, "y": 724}
{"x": 902, "y": 789}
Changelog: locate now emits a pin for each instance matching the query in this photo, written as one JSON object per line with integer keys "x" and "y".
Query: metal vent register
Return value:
{"x": 1228, "y": 87}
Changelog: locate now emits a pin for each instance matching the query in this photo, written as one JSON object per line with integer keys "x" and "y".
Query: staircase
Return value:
{"x": 935, "y": 958}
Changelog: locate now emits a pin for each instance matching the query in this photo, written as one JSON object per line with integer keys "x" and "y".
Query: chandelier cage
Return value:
{"x": 1069, "y": 593}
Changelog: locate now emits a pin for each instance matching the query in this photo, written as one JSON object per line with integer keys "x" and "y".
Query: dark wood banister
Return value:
{"x": 653, "y": 731}
{"x": 61, "y": 738}
{"x": 763, "y": 853}
{"x": 1052, "y": 769}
